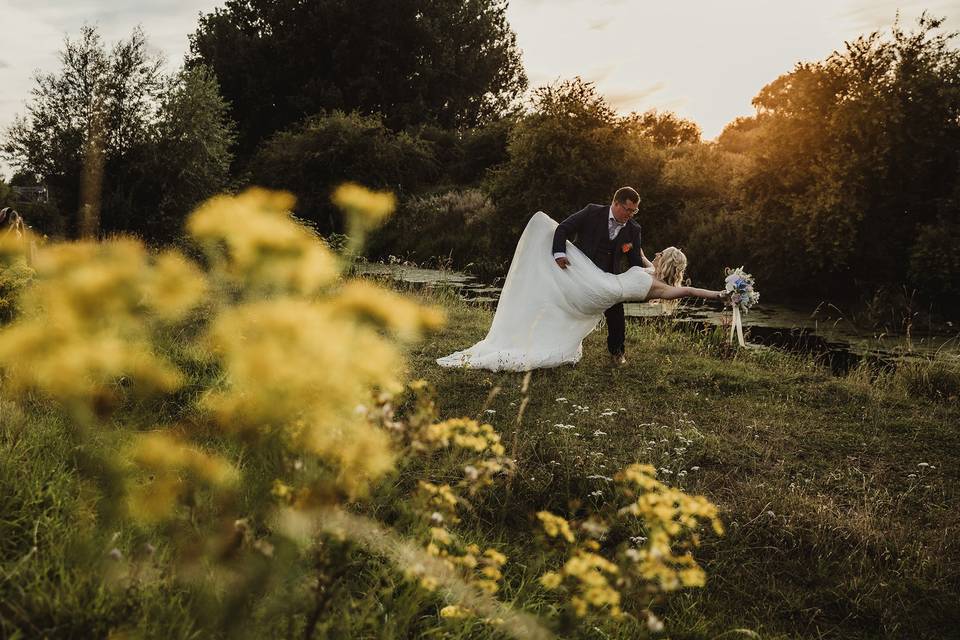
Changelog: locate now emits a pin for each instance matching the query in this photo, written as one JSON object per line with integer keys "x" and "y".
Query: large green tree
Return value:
{"x": 313, "y": 157}
{"x": 120, "y": 145}
{"x": 185, "y": 160}
{"x": 86, "y": 118}
{"x": 453, "y": 63}
{"x": 850, "y": 159}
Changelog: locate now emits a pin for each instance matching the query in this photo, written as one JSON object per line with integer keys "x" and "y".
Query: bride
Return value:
{"x": 545, "y": 312}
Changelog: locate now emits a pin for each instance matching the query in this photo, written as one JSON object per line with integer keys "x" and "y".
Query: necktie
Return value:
{"x": 614, "y": 228}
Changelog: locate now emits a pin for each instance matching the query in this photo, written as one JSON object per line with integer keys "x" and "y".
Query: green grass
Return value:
{"x": 833, "y": 528}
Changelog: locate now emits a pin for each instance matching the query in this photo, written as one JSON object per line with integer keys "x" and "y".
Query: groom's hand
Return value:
{"x": 562, "y": 262}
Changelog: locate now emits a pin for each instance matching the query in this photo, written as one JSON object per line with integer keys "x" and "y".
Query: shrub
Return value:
{"x": 312, "y": 158}
{"x": 456, "y": 225}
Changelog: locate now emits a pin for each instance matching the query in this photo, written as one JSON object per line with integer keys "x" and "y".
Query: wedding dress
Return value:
{"x": 545, "y": 312}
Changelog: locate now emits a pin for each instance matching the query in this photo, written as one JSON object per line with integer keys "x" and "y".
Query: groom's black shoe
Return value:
{"x": 617, "y": 360}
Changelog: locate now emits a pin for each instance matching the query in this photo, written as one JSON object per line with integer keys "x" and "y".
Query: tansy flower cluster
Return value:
{"x": 89, "y": 319}
{"x": 172, "y": 463}
{"x": 555, "y": 526}
{"x": 481, "y": 569}
{"x": 670, "y": 519}
{"x": 294, "y": 345}
{"x": 367, "y": 208}
{"x": 589, "y": 577}
{"x": 477, "y": 448}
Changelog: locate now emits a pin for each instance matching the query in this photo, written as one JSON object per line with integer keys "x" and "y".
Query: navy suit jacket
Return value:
{"x": 589, "y": 231}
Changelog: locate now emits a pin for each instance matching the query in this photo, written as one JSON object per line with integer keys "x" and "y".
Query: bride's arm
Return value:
{"x": 646, "y": 263}
{"x": 663, "y": 291}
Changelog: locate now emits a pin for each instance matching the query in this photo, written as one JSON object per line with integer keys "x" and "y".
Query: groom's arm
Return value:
{"x": 571, "y": 226}
{"x": 634, "y": 256}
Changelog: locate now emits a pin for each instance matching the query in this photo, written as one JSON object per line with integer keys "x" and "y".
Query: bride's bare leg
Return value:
{"x": 663, "y": 291}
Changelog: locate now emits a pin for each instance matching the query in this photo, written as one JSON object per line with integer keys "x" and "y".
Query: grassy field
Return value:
{"x": 840, "y": 495}
{"x": 840, "y": 498}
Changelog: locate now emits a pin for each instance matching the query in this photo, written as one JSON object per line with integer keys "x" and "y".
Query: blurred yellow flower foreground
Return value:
{"x": 237, "y": 403}
{"x": 297, "y": 345}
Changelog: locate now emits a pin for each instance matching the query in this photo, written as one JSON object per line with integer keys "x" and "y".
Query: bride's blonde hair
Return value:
{"x": 672, "y": 266}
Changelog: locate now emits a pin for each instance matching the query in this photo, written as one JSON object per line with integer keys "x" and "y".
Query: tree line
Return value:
{"x": 844, "y": 184}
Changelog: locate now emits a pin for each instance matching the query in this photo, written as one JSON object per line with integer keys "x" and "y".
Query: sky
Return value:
{"x": 704, "y": 60}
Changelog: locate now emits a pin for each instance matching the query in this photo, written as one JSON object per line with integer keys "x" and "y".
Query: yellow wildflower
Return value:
{"x": 265, "y": 249}
{"x": 174, "y": 286}
{"x": 170, "y": 460}
{"x": 282, "y": 490}
{"x": 555, "y": 526}
{"x": 551, "y": 580}
{"x": 495, "y": 557}
{"x": 454, "y": 611}
{"x": 366, "y": 301}
{"x": 366, "y": 207}
{"x": 579, "y": 606}
{"x": 440, "y": 535}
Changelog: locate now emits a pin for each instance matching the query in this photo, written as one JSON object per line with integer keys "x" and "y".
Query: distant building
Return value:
{"x": 30, "y": 194}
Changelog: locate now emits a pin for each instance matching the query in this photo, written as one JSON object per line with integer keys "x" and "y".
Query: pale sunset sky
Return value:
{"x": 702, "y": 59}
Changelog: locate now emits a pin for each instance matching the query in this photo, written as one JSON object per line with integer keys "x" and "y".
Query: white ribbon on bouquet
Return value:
{"x": 736, "y": 327}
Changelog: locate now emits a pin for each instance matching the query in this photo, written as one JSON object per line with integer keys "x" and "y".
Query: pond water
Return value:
{"x": 822, "y": 331}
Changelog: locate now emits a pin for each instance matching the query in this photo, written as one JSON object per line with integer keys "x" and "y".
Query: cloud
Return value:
{"x": 631, "y": 100}
{"x": 869, "y": 17}
{"x": 4, "y": 64}
{"x": 599, "y": 25}
{"x": 878, "y": 15}
{"x": 600, "y": 74}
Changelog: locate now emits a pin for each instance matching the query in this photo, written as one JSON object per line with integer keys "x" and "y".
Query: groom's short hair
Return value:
{"x": 626, "y": 193}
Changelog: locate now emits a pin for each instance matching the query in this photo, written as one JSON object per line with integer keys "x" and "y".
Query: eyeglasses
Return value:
{"x": 632, "y": 211}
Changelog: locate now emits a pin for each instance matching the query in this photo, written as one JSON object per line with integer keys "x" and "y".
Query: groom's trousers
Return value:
{"x": 616, "y": 328}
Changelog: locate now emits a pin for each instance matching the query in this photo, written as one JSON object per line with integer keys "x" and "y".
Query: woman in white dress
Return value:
{"x": 545, "y": 312}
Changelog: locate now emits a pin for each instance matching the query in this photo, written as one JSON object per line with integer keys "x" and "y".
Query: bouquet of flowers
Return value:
{"x": 739, "y": 287}
{"x": 741, "y": 295}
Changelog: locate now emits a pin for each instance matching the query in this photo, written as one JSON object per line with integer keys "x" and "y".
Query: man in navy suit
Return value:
{"x": 606, "y": 234}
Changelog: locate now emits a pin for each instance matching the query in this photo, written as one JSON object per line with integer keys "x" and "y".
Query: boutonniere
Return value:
{"x": 626, "y": 248}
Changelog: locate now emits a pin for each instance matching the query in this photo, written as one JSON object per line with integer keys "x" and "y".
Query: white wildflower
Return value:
{"x": 654, "y": 623}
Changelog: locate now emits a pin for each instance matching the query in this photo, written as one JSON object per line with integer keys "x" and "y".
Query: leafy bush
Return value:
{"x": 935, "y": 263}
{"x": 457, "y": 225}
{"x": 310, "y": 160}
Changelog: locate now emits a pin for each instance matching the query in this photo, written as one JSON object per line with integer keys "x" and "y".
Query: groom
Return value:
{"x": 606, "y": 234}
